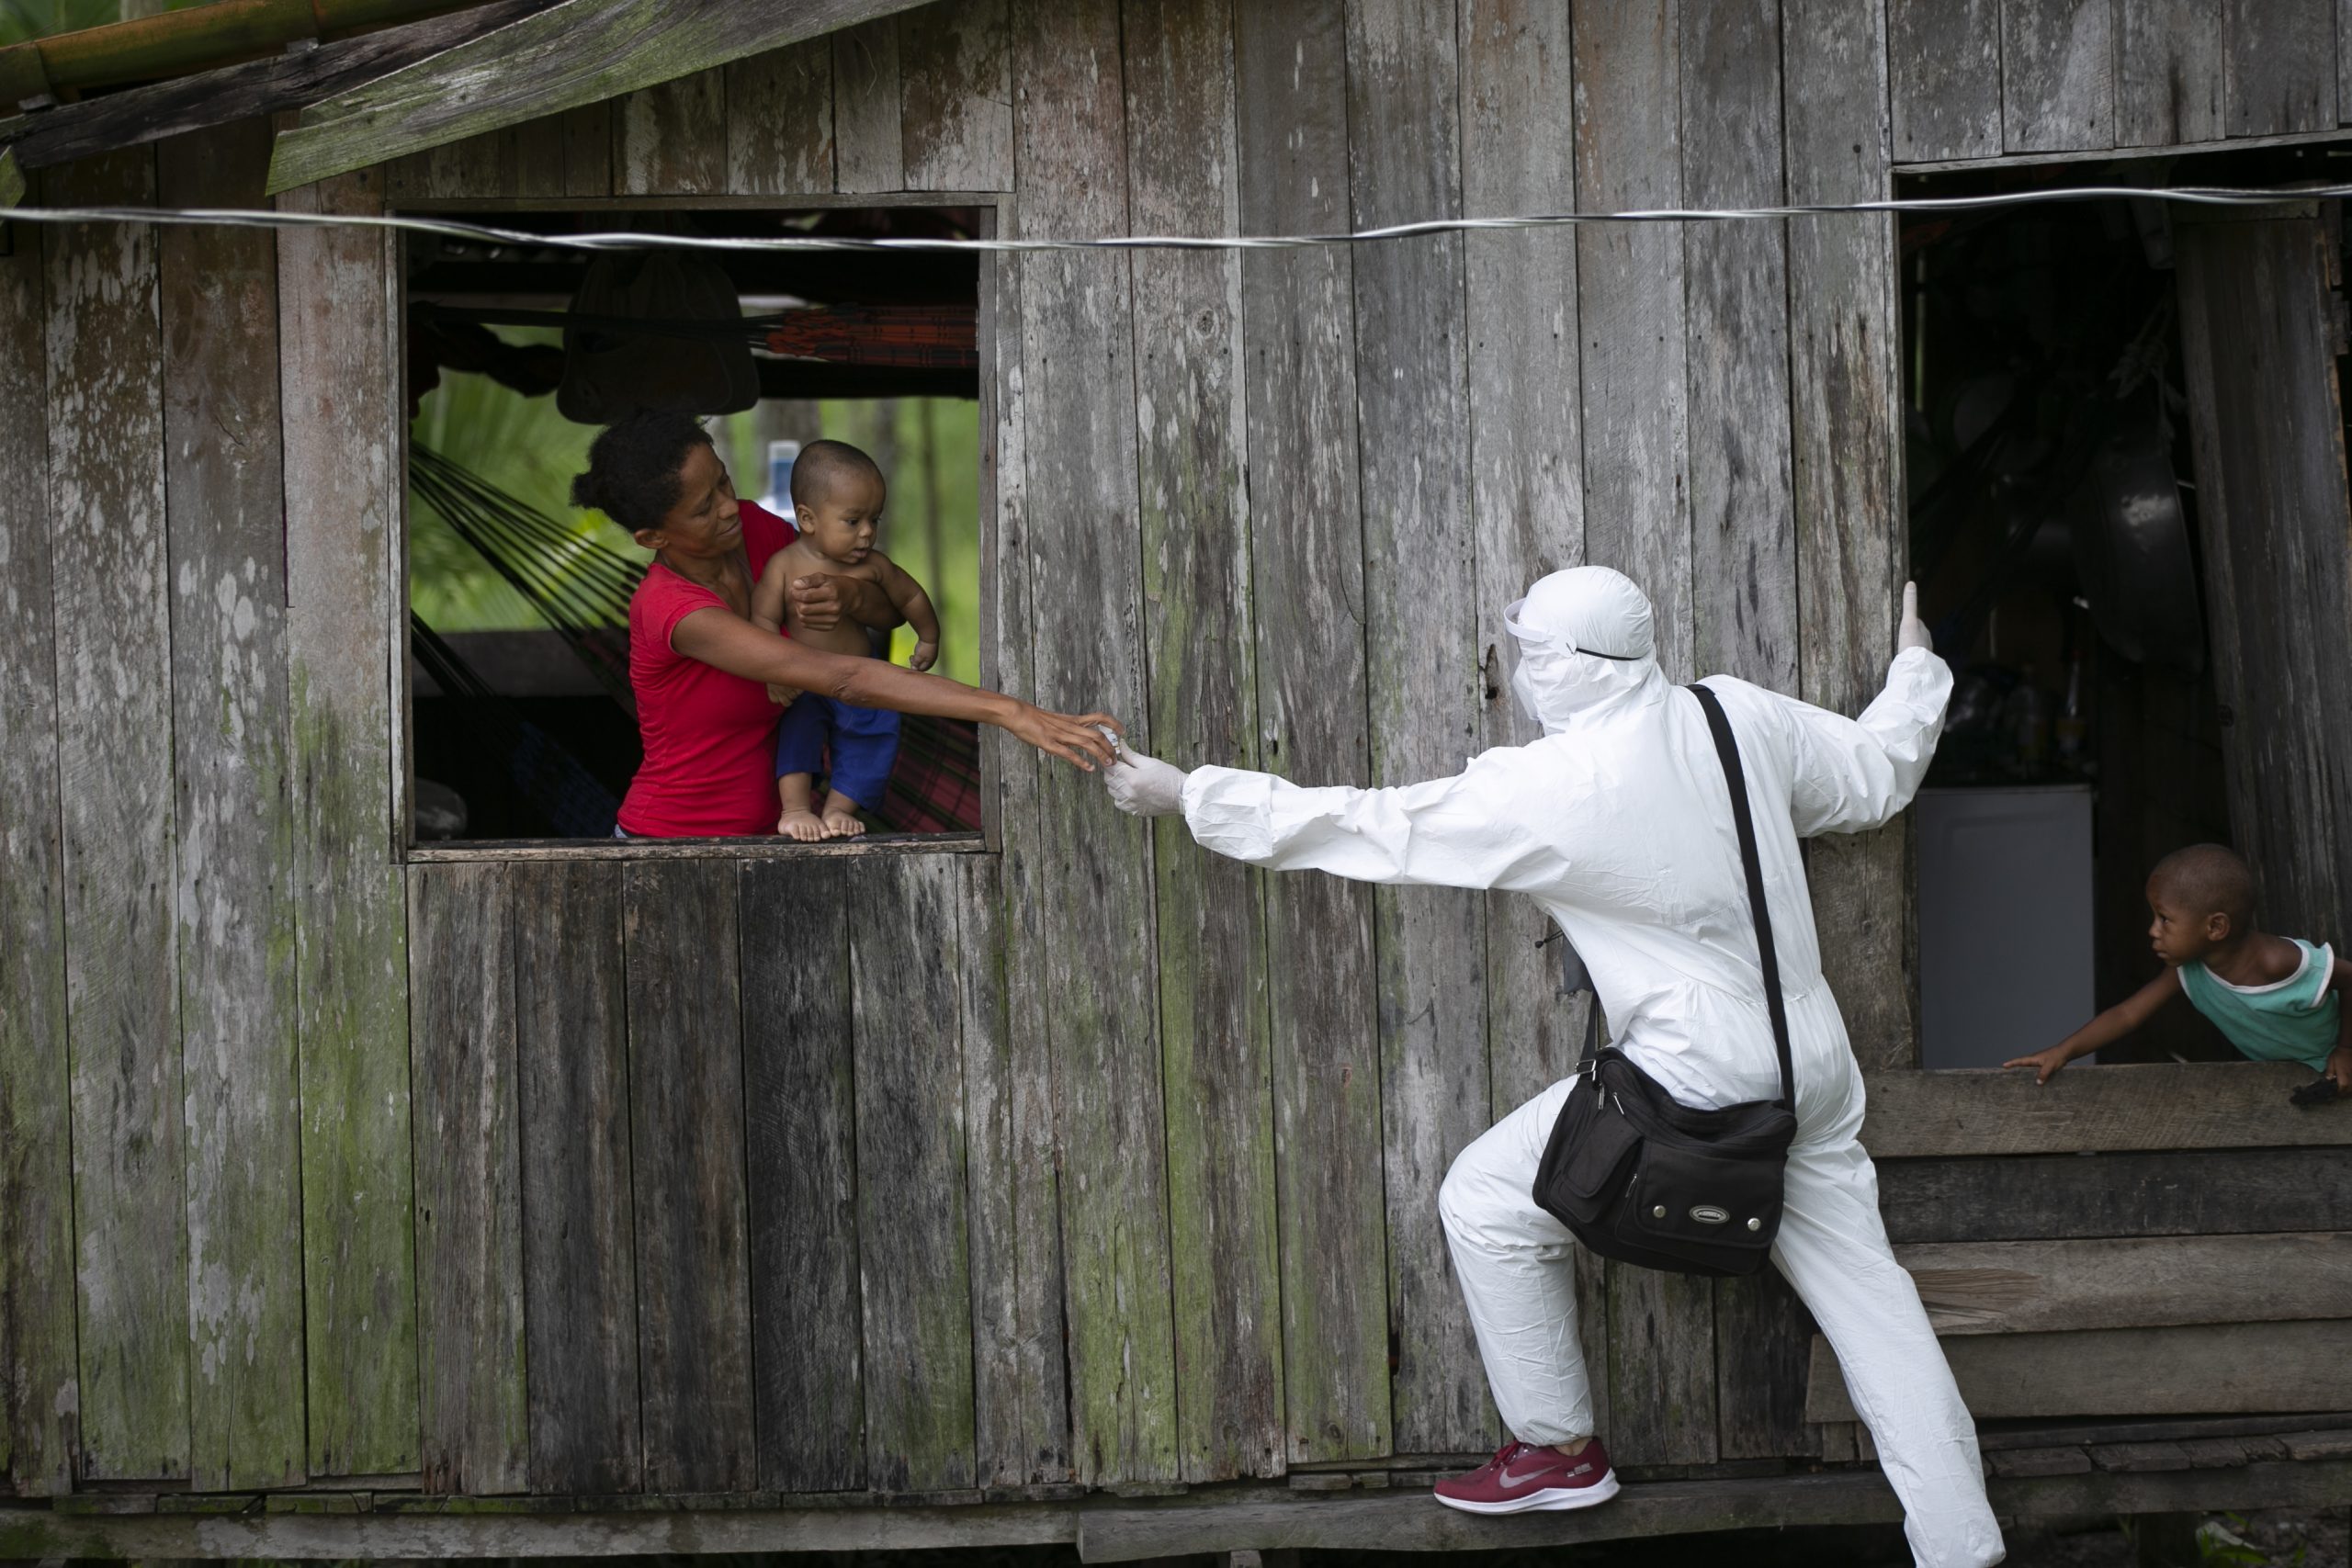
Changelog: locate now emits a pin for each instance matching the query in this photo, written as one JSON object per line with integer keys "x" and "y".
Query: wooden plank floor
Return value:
{"x": 2306, "y": 1468}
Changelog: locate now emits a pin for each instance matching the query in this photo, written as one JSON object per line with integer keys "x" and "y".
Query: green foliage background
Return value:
{"x": 22, "y": 19}
{"x": 525, "y": 447}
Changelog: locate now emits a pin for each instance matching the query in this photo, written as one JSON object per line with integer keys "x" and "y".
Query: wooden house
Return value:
{"x": 361, "y": 1197}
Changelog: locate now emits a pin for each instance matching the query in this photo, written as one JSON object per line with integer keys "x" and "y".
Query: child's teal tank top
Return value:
{"x": 2293, "y": 1019}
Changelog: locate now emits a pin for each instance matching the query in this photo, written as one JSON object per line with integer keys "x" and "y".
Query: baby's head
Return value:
{"x": 837, "y": 493}
{"x": 2200, "y": 898}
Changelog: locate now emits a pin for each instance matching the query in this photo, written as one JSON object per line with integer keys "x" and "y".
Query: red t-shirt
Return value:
{"x": 710, "y": 768}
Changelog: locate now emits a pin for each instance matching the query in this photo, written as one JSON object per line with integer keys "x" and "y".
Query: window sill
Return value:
{"x": 764, "y": 848}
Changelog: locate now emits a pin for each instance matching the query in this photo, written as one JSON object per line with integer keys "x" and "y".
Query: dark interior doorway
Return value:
{"x": 2086, "y": 380}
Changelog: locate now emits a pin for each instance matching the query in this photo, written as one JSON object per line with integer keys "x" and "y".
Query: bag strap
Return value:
{"x": 1728, "y": 749}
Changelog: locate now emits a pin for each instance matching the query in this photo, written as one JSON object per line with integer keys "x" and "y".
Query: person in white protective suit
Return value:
{"x": 1619, "y": 824}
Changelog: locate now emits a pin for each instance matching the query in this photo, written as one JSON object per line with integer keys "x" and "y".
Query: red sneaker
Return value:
{"x": 1522, "y": 1477}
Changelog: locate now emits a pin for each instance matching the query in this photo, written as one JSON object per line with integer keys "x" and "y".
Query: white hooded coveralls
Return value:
{"x": 1619, "y": 824}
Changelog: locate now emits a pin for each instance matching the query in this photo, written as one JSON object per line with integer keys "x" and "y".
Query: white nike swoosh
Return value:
{"x": 1508, "y": 1479}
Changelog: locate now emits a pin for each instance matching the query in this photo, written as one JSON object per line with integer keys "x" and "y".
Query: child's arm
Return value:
{"x": 2105, "y": 1029}
{"x": 767, "y": 594}
{"x": 914, "y": 603}
{"x": 767, "y": 611}
{"x": 2339, "y": 1061}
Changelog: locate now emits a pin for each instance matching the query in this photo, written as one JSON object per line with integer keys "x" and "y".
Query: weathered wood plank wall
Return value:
{"x": 1307, "y": 592}
{"x": 1981, "y": 79}
{"x": 232, "y": 747}
{"x": 1100, "y": 1006}
{"x": 345, "y": 605}
{"x": 763, "y": 1208}
{"x": 1421, "y": 620}
{"x": 1195, "y": 532}
{"x": 40, "y": 1381}
{"x": 106, "y": 459}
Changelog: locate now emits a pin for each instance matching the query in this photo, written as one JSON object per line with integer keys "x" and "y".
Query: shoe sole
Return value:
{"x": 1552, "y": 1499}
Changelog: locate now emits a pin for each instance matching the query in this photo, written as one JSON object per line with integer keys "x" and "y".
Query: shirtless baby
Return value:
{"x": 837, "y": 494}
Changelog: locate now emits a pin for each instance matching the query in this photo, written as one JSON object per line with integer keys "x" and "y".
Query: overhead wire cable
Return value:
{"x": 484, "y": 234}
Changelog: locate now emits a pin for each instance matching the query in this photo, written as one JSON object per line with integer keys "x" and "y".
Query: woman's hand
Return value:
{"x": 1073, "y": 739}
{"x": 820, "y": 603}
{"x": 816, "y": 602}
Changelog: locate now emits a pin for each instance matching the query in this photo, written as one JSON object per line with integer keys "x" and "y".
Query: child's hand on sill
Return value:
{"x": 2339, "y": 1068}
{"x": 2045, "y": 1063}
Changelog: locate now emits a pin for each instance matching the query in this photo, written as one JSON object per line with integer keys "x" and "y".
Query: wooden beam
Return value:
{"x": 1098, "y": 1005}
{"x": 579, "y": 1245}
{"x": 2152, "y": 1105}
{"x": 688, "y": 1175}
{"x": 1306, "y": 584}
{"x": 801, "y": 1113}
{"x": 2127, "y": 1371}
{"x": 565, "y": 851}
{"x": 1428, "y": 944}
{"x": 1406, "y": 1521}
{"x": 12, "y": 179}
{"x": 465, "y": 1118}
{"x": 224, "y": 507}
{"x": 2057, "y": 76}
{"x": 1020, "y": 1391}
{"x": 2272, "y": 514}
{"x": 34, "y": 1533}
{"x": 1846, "y": 464}
{"x": 2051, "y": 1197}
{"x": 914, "y": 1244}
{"x": 2315, "y": 1471}
{"x": 2014, "y": 1287}
{"x": 1944, "y": 66}
{"x": 2091, "y": 162}
{"x": 579, "y": 52}
{"x": 113, "y": 712}
{"x": 150, "y": 113}
{"x": 40, "y": 1387}
{"x": 336, "y": 349}
{"x": 1202, "y": 691}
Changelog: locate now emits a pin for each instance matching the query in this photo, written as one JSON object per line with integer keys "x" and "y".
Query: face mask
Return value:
{"x": 1522, "y": 690}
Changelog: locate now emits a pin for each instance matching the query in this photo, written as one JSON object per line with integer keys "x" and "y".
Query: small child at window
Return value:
{"x": 838, "y": 494}
{"x": 2274, "y": 997}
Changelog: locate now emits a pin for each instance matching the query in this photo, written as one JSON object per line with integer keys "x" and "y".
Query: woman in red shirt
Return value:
{"x": 702, "y": 670}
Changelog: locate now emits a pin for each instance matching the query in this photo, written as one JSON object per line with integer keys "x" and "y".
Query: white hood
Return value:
{"x": 1585, "y": 639}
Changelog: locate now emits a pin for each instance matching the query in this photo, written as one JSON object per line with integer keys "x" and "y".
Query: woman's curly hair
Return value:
{"x": 633, "y": 467}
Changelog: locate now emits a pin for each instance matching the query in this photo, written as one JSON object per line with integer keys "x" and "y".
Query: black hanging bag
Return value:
{"x": 1642, "y": 1179}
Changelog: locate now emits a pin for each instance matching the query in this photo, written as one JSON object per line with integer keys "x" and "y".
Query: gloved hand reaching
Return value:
{"x": 1144, "y": 786}
{"x": 1912, "y": 631}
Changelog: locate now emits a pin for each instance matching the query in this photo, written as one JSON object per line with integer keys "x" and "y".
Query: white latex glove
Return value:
{"x": 1912, "y": 632}
{"x": 1144, "y": 786}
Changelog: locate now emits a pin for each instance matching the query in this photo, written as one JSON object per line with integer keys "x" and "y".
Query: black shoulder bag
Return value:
{"x": 1642, "y": 1179}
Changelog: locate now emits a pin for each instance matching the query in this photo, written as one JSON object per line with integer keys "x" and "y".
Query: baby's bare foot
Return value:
{"x": 841, "y": 821}
{"x": 804, "y": 826}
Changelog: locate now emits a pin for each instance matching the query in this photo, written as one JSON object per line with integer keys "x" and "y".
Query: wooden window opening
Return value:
{"x": 515, "y": 700}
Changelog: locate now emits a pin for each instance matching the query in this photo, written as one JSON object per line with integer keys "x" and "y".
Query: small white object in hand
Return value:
{"x": 1144, "y": 786}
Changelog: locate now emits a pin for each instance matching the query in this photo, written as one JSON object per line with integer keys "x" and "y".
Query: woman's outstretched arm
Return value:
{"x": 726, "y": 641}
